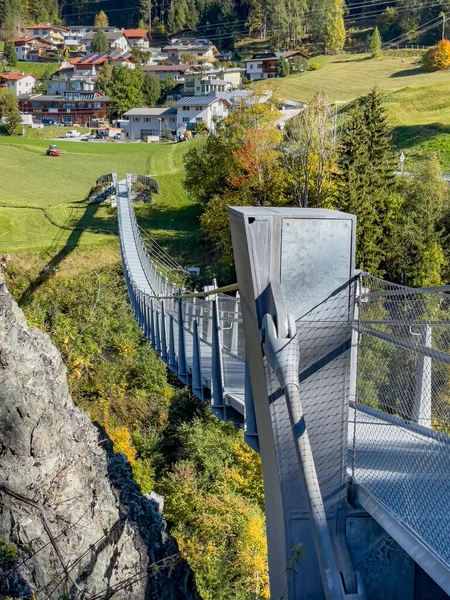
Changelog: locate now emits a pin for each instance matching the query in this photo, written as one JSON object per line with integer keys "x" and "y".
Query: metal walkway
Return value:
{"x": 399, "y": 463}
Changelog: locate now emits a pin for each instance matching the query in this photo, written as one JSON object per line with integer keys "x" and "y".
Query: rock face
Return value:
{"x": 72, "y": 521}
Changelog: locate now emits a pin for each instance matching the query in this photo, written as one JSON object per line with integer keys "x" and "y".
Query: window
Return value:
{"x": 80, "y": 104}
{"x": 199, "y": 120}
{"x": 52, "y": 105}
{"x": 147, "y": 119}
{"x": 67, "y": 119}
{"x": 251, "y": 65}
{"x": 259, "y": 65}
{"x": 69, "y": 105}
{"x": 97, "y": 105}
{"x": 137, "y": 119}
{"x": 172, "y": 119}
{"x": 185, "y": 107}
{"x": 185, "y": 119}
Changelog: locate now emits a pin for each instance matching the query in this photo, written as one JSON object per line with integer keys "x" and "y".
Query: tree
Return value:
{"x": 282, "y": 67}
{"x": 375, "y": 43}
{"x": 10, "y": 55}
{"x": 437, "y": 57}
{"x": 308, "y": 155}
{"x": 101, "y": 20}
{"x": 151, "y": 89}
{"x": 9, "y": 110}
{"x": 100, "y": 41}
{"x": 335, "y": 28}
{"x": 104, "y": 78}
{"x": 366, "y": 180}
{"x": 125, "y": 89}
{"x": 277, "y": 25}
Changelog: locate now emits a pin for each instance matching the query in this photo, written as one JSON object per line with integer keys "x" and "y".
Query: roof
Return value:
{"x": 136, "y": 33}
{"x": 174, "y": 68}
{"x": 15, "y": 76}
{"x": 273, "y": 55}
{"x": 47, "y": 26}
{"x": 150, "y": 112}
{"x": 77, "y": 96}
{"x": 190, "y": 47}
{"x": 111, "y": 36}
{"x": 29, "y": 38}
{"x": 95, "y": 58}
{"x": 200, "y": 100}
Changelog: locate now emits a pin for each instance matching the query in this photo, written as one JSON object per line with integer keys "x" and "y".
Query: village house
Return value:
{"x": 138, "y": 39}
{"x": 200, "y": 83}
{"x": 74, "y": 34}
{"x": 151, "y": 123}
{"x": 262, "y": 66}
{"x": 177, "y": 72}
{"x": 183, "y": 116}
{"x": 116, "y": 41}
{"x": 73, "y": 108}
{"x": 30, "y": 48}
{"x": 19, "y": 83}
{"x": 185, "y": 35}
{"x": 52, "y": 33}
{"x": 197, "y": 53}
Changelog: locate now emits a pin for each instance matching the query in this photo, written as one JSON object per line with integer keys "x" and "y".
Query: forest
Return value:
{"x": 284, "y": 23}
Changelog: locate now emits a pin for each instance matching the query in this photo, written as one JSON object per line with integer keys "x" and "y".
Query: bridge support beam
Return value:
{"x": 299, "y": 263}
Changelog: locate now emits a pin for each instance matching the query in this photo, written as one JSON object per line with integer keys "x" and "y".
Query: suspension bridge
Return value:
{"x": 340, "y": 380}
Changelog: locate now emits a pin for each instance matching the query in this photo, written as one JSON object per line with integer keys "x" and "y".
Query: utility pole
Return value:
{"x": 443, "y": 25}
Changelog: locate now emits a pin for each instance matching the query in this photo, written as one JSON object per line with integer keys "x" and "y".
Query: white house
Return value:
{"x": 116, "y": 40}
{"x": 74, "y": 34}
{"x": 30, "y": 48}
{"x": 197, "y": 53}
{"x": 183, "y": 116}
{"x": 200, "y": 109}
{"x": 52, "y": 33}
{"x": 262, "y": 66}
{"x": 151, "y": 122}
{"x": 19, "y": 83}
{"x": 138, "y": 39}
{"x": 177, "y": 72}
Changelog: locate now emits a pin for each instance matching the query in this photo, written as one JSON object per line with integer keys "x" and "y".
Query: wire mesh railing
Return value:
{"x": 400, "y": 421}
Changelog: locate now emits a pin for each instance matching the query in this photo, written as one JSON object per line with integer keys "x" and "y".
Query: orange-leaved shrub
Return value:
{"x": 437, "y": 57}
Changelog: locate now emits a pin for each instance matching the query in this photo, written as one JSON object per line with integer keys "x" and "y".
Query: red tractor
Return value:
{"x": 53, "y": 151}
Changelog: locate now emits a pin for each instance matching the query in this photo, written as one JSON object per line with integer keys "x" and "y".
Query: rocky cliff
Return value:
{"x": 72, "y": 521}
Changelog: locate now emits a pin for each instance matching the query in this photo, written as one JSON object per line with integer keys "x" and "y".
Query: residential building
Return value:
{"x": 74, "y": 108}
{"x": 19, "y": 83}
{"x": 75, "y": 33}
{"x": 196, "y": 53}
{"x": 262, "y": 66}
{"x": 52, "y": 33}
{"x": 200, "y": 109}
{"x": 151, "y": 123}
{"x": 185, "y": 35}
{"x": 30, "y": 48}
{"x": 200, "y": 83}
{"x": 177, "y": 72}
{"x": 138, "y": 39}
{"x": 116, "y": 40}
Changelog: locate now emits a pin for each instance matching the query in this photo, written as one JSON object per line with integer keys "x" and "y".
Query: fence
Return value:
{"x": 401, "y": 415}
{"x": 148, "y": 182}
{"x": 199, "y": 336}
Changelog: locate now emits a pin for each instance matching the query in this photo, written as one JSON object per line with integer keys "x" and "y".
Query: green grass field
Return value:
{"x": 42, "y": 199}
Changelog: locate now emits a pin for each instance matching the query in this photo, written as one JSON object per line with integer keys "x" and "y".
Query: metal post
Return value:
{"x": 422, "y": 399}
{"x": 172, "y": 357}
{"x": 250, "y": 427}
{"x": 147, "y": 320}
{"x": 197, "y": 382}
{"x": 157, "y": 334}
{"x": 163, "y": 332}
{"x": 152, "y": 324}
{"x": 182, "y": 369}
{"x": 218, "y": 396}
{"x": 235, "y": 327}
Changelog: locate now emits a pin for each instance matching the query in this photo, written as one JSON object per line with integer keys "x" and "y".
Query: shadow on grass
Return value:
{"x": 408, "y": 72}
{"x": 87, "y": 222}
{"x": 408, "y": 136}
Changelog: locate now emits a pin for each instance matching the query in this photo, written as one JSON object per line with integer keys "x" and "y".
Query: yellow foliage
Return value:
{"x": 121, "y": 439}
{"x": 251, "y": 556}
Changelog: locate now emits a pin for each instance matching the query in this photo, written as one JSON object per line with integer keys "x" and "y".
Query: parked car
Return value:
{"x": 119, "y": 136}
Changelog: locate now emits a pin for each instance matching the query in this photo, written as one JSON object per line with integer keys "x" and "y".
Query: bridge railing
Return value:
{"x": 194, "y": 333}
{"x": 399, "y": 438}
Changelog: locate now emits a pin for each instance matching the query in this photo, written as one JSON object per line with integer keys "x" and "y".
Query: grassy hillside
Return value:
{"x": 346, "y": 77}
{"x": 42, "y": 199}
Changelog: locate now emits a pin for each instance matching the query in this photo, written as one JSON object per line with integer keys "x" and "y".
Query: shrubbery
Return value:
{"x": 437, "y": 57}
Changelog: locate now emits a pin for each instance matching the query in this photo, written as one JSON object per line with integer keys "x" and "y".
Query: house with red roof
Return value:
{"x": 138, "y": 39}
{"x": 29, "y": 48}
{"x": 18, "y": 82}
{"x": 52, "y": 33}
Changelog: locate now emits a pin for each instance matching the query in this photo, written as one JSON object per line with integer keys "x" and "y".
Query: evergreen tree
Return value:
{"x": 9, "y": 110}
{"x": 335, "y": 28}
{"x": 366, "y": 180}
{"x": 282, "y": 67}
{"x": 101, "y": 20}
{"x": 375, "y": 43}
{"x": 151, "y": 89}
{"x": 296, "y": 11}
{"x": 100, "y": 42}
{"x": 125, "y": 89}
{"x": 277, "y": 23}
{"x": 10, "y": 55}
{"x": 104, "y": 78}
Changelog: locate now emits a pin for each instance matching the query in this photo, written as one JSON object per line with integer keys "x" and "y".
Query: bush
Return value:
{"x": 313, "y": 66}
{"x": 437, "y": 57}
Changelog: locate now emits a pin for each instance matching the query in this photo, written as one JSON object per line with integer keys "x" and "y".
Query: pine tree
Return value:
{"x": 278, "y": 23}
{"x": 151, "y": 89}
{"x": 10, "y": 54}
{"x": 101, "y": 20}
{"x": 282, "y": 67}
{"x": 375, "y": 43}
{"x": 335, "y": 28}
